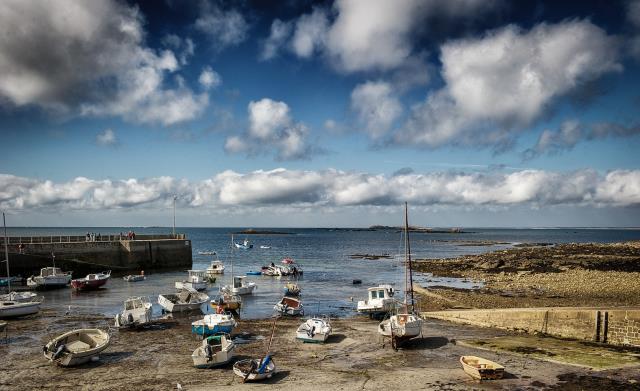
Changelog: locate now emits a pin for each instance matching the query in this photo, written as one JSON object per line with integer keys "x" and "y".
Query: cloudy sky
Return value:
{"x": 302, "y": 113}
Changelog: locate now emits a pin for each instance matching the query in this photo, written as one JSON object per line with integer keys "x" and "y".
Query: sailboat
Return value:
{"x": 239, "y": 285}
{"x": 14, "y": 308}
{"x": 406, "y": 324}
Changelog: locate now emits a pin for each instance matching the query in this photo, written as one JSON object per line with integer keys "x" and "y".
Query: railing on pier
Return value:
{"x": 84, "y": 238}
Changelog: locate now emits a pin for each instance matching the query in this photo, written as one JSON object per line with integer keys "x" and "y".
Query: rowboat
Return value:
{"x": 186, "y": 300}
{"x": 76, "y": 347}
{"x": 137, "y": 312}
{"x": 135, "y": 277}
{"x": 289, "y": 306}
{"x": 91, "y": 281}
{"x": 214, "y": 351}
{"x": 214, "y": 324}
{"x": 255, "y": 369}
{"x": 481, "y": 368}
{"x": 314, "y": 330}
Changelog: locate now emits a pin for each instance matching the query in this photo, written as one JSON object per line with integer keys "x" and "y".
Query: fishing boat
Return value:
{"x": 214, "y": 351}
{"x": 291, "y": 290}
{"x": 196, "y": 279}
{"x": 314, "y": 330}
{"x": 20, "y": 297}
{"x": 240, "y": 286}
{"x": 216, "y": 267}
{"x": 186, "y": 300}
{"x": 289, "y": 306}
{"x": 135, "y": 277}
{"x": 137, "y": 312}
{"x": 227, "y": 302}
{"x": 256, "y": 369}
{"x": 214, "y": 324}
{"x": 380, "y": 300}
{"x": 481, "y": 368}
{"x": 76, "y": 347}
{"x": 50, "y": 277}
{"x": 406, "y": 324}
{"x": 91, "y": 281}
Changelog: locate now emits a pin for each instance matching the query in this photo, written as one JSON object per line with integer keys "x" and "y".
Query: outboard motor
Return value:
{"x": 59, "y": 351}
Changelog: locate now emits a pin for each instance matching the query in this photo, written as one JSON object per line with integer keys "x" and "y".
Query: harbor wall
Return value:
{"x": 618, "y": 326}
{"x": 119, "y": 254}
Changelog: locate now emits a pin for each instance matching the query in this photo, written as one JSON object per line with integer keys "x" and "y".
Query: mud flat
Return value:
{"x": 352, "y": 359}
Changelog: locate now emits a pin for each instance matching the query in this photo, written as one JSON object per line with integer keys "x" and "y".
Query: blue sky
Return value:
{"x": 478, "y": 113}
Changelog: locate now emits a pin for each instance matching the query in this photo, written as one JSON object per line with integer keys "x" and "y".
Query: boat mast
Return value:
{"x": 406, "y": 256}
{"x": 6, "y": 251}
{"x": 409, "y": 256}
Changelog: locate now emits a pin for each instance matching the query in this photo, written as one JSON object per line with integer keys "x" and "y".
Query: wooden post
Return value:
{"x": 596, "y": 336}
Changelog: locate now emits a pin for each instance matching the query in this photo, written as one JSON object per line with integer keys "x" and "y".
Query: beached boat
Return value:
{"x": 135, "y": 277}
{"x": 20, "y": 297}
{"x": 214, "y": 351}
{"x": 227, "y": 302}
{"x": 255, "y": 369}
{"x": 186, "y": 300}
{"x": 406, "y": 324}
{"x": 137, "y": 312}
{"x": 76, "y": 347}
{"x": 91, "y": 281}
{"x": 3, "y": 325}
{"x": 196, "y": 279}
{"x": 380, "y": 300}
{"x": 481, "y": 368}
{"x": 214, "y": 324}
{"x": 314, "y": 330}
{"x": 291, "y": 289}
{"x": 50, "y": 277}
{"x": 240, "y": 286}
{"x": 289, "y": 306}
{"x": 216, "y": 267}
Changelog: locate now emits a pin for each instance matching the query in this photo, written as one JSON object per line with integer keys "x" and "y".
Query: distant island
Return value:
{"x": 256, "y": 232}
{"x": 418, "y": 229}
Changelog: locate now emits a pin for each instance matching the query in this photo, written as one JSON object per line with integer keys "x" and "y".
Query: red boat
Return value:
{"x": 91, "y": 281}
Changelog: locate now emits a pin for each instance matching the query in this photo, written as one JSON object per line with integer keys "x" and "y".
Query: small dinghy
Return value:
{"x": 3, "y": 325}
{"x": 76, "y": 347}
{"x": 227, "y": 302}
{"x": 255, "y": 369}
{"x": 91, "y": 281}
{"x": 137, "y": 312}
{"x": 253, "y": 273}
{"x": 265, "y": 247}
{"x": 186, "y": 300}
{"x": 214, "y": 351}
{"x": 481, "y": 368}
{"x": 291, "y": 290}
{"x": 289, "y": 306}
{"x": 214, "y": 324}
{"x": 135, "y": 277}
{"x": 314, "y": 330}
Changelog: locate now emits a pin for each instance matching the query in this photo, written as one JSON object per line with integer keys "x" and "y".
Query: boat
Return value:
{"x": 214, "y": 324}
{"x": 271, "y": 270}
{"x": 240, "y": 286}
{"x": 291, "y": 290}
{"x": 3, "y": 325}
{"x": 18, "y": 296}
{"x": 256, "y": 369}
{"x": 76, "y": 347}
{"x": 196, "y": 279}
{"x": 216, "y": 267}
{"x": 137, "y": 312}
{"x": 186, "y": 300}
{"x": 481, "y": 368}
{"x": 214, "y": 351}
{"x": 206, "y": 253}
{"x": 288, "y": 261}
{"x": 245, "y": 245}
{"x": 11, "y": 280}
{"x": 135, "y": 277}
{"x": 253, "y": 273}
{"x": 380, "y": 300}
{"x": 314, "y": 330}
{"x": 265, "y": 247}
{"x": 50, "y": 277}
{"x": 227, "y": 302}
{"x": 91, "y": 281}
{"x": 289, "y": 306}
{"x": 407, "y": 324}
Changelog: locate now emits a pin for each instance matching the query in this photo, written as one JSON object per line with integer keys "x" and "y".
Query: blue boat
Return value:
{"x": 214, "y": 324}
{"x": 252, "y": 273}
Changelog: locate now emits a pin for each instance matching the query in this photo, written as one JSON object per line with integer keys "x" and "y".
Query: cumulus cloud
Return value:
{"x": 87, "y": 58}
{"x": 506, "y": 80}
{"x": 223, "y": 28}
{"x": 185, "y": 47}
{"x": 330, "y": 188}
{"x": 271, "y": 127}
{"x": 209, "y": 78}
{"x": 280, "y": 32}
{"x": 309, "y": 34}
{"x": 107, "y": 138}
{"x": 376, "y": 107}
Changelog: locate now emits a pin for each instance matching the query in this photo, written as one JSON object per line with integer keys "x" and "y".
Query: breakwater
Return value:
{"x": 119, "y": 253}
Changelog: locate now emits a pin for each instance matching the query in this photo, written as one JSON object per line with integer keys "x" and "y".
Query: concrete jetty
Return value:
{"x": 115, "y": 252}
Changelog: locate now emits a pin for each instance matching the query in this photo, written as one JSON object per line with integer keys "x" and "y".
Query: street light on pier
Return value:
{"x": 174, "y": 215}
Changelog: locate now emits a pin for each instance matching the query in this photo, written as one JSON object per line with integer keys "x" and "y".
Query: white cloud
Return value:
{"x": 224, "y": 28}
{"x": 309, "y": 34}
{"x": 107, "y": 138}
{"x": 95, "y": 65}
{"x": 185, "y": 47}
{"x": 376, "y": 106}
{"x": 506, "y": 80}
{"x": 271, "y": 128}
{"x": 280, "y": 32}
{"x": 297, "y": 190}
{"x": 209, "y": 78}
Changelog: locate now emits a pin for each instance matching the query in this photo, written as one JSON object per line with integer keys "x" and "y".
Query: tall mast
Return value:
{"x": 406, "y": 256}
{"x": 6, "y": 251}
{"x": 406, "y": 216}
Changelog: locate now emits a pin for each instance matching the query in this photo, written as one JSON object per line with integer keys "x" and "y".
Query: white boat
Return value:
{"x": 76, "y": 347}
{"x": 216, "y": 267}
{"x": 214, "y": 351}
{"x": 405, "y": 325}
{"x": 314, "y": 330}
{"x": 481, "y": 369}
{"x": 255, "y": 369}
{"x": 134, "y": 277}
{"x": 289, "y": 306}
{"x": 380, "y": 300}
{"x": 186, "y": 300}
{"x": 206, "y": 253}
{"x": 196, "y": 279}
{"x": 265, "y": 247}
{"x": 50, "y": 277}
{"x": 3, "y": 325}
{"x": 245, "y": 245}
{"x": 137, "y": 312}
{"x": 18, "y": 296}
{"x": 240, "y": 286}
{"x": 213, "y": 324}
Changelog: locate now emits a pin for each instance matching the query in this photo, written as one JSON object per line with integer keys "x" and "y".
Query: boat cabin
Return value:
{"x": 135, "y": 303}
{"x": 381, "y": 292}
{"x": 197, "y": 275}
{"x": 50, "y": 271}
{"x": 238, "y": 281}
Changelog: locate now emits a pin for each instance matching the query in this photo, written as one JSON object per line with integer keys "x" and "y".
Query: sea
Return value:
{"x": 325, "y": 255}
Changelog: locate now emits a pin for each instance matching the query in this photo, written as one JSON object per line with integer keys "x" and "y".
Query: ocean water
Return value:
{"x": 329, "y": 271}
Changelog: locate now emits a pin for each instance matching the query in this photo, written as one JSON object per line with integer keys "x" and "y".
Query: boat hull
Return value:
{"x": 314, "y": 330}
{"x": 481, "y": 369}
{"x": 401, "y": 327}
{"x": 170, "y": 306}
{"x": 83, "y": 285}
{"x": 199, "y": 286}
{"x": 76, "y": 356}
{"x": 205, "y": 330}
{"x": 242, "y": 368}
{"x": 49, "y": 283}
{"x": 134, "y": 278}
{"x": 14, "y": 309}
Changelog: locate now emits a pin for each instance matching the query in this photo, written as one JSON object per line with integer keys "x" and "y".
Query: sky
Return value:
{"x": 478, "y": 113}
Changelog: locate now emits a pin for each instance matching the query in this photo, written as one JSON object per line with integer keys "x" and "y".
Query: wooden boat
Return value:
{"x": 481, "y": 368}
{"x": 196, "y": 279}
{"x": 137, "y": 312}
{"x": 214, "y": 324}
{"x": 314, "y": 330}
{"x": 227, "y": 302}
{"x": 50, "y": 277}
{"x": 76, "y": 347}
{"x": 214, "y": 351}
{"x": 186, "y": 300}
{"x": 289, "y": 306}
{"x": 91, "y": 281}
{"x": 255, "y": 369}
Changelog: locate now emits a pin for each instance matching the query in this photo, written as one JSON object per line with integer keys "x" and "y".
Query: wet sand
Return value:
{"x": 353, "y": 358}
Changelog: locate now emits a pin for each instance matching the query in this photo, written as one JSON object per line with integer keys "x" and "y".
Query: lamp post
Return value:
{"x": 174, "y": 215}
